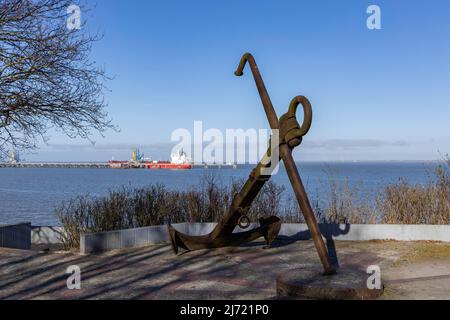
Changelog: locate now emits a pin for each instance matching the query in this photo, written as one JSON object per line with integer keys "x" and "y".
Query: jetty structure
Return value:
{"x": 179, "y": 161}
{"x": 98, "y": 165}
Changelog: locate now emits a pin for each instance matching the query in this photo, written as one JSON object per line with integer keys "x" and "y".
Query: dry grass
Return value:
{"x": 424, "y": 251}
{"x": 156, "y": 205}
{"x": 398, "y": 203}
{"x": 403, "y": 203}
{"x": 346, "y": 204}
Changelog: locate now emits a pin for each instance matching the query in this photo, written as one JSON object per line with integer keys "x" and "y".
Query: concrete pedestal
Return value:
{"x": 347, "y": 284}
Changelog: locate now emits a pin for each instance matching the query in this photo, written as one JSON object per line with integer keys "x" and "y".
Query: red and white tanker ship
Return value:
{"x": 180, "y": 161}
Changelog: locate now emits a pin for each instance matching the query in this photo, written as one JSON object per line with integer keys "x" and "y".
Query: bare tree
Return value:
{"x": 47, "y": 79}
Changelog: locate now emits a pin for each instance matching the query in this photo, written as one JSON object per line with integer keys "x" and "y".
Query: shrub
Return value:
{"x": 403, "y": 203}
{"x": 155, "y": 205}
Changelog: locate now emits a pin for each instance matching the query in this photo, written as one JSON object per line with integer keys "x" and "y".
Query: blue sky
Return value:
{"x": 376, "y": 94}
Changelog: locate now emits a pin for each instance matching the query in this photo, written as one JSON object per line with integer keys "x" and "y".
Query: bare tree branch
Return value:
{"x": 46, "y": 77}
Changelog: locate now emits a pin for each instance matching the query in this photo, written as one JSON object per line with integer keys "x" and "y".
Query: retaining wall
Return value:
{"x": 367, "y": 232}
{"x": 106, "y": 241}
{"x": 17, "y": 236}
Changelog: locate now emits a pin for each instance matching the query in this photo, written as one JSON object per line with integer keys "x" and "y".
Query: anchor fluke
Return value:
{"x": 269, "y": 229}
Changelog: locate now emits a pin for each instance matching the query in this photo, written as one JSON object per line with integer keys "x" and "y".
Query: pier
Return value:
{"x": 99, "y": 165}
{"x": 215, "y": 166}
{"x": 96, "y": 165}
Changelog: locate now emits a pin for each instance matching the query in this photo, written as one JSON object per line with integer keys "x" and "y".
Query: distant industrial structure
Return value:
{"x": 86, "y": 165}
{"x": 179, "y": 161}
{"x": 14, "y": 157}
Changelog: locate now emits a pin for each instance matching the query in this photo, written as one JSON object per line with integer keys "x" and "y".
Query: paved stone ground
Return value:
{"x": 410, "y": 271}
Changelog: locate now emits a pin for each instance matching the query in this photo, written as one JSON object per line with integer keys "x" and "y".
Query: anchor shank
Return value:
{"x": 305, "y": 206}
{"x": 265, "y": 98}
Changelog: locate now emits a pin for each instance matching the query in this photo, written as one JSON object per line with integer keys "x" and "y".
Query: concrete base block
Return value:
{"x": 347, "y": 284}
{"x": 122, "y": 239}
{"x": 17, "y": 236}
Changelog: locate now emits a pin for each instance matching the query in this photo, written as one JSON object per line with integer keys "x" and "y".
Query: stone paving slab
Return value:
{"x": 411, "y": 270}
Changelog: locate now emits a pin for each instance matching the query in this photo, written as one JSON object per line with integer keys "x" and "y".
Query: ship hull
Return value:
{"x": 149, "y": 165}
{"x": 167, "y": 166}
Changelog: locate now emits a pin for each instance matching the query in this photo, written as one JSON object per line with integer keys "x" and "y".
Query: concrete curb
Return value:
{"x": 361, "y": 232}
{"x": 107, "y": 241}
{"x": 16, "y": 236}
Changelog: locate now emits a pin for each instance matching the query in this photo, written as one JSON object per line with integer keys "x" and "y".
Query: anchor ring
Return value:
{"x": 244, "y": 222}
{"x": 307, "y": 111}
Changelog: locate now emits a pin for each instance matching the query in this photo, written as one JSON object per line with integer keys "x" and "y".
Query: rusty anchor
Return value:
{"x": 290, "y": 136}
